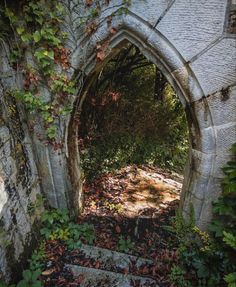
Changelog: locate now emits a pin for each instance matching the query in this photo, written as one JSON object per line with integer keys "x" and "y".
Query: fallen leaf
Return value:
{"x": 48, "y": 271}
{"x": 118, "y": 229}
{"x": 89, "y": 3}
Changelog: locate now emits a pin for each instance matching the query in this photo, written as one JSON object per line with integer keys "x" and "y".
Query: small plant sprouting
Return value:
{"x": 125, "y": 245}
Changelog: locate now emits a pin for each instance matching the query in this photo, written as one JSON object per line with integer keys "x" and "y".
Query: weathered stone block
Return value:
{"x": 154, "y": 9}
{"x": 189, "y": 84}
{"x": 215, "y": 69}
{"x": 192, "y": 25}
{"x": 222, "y": 106}
{"x": 225, "y": 137}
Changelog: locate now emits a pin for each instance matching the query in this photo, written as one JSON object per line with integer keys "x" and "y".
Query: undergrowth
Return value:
{"x": 130, "y": 126}
{"x": 56, "y": 226}
{"x": 208, "y": 259}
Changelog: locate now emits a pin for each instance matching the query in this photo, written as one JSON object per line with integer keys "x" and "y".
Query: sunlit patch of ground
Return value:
{"x": 129, "y": 211}
{"x": 136, "y": 204}
{"x": 148, "y": 190}
{"x": 132, "y": 191}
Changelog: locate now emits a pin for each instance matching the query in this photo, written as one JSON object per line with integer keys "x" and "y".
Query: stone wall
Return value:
{"x": 19, "y": 182}
{"x": 191, "y": 42}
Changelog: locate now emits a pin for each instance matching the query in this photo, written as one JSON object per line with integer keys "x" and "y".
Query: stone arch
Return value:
{"x": 193, "y": 42}
{"x": 201, "y": 184}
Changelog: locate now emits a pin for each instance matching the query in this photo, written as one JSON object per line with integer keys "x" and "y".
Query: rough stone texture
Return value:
{"x": 110, "y": 259}
{"x": 187, "y": 40}
{"x": 215, "y": 71}
{"x": 231, "y": 21}
{"x": 97, "y": 277}
{"x": 193, "y": 25}
{"x": 18, "y": 180}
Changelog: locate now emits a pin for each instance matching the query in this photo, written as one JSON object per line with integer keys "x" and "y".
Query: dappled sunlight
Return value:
{"x": 131, "y": 190}
{"x": 145, "y": 190}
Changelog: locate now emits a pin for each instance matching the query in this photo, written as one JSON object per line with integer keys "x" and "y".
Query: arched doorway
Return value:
{"x": 159, "y": 50}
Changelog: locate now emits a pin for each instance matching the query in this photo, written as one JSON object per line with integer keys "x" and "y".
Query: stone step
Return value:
{"x": 101, "y": 278}
{"x": 113, "y": 260}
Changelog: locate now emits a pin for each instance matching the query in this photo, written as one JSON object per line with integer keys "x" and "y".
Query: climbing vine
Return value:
{"x": 37, "y": 32}
{"x": 39, "y": 38}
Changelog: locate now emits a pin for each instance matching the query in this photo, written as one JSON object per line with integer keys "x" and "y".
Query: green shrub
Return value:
{"x": 125, "y": 245}
{"x": 30, "y": 279}
{"x": 122, "y": 122}
{"x": 210, "y": 258}
{"x": 177, "y": 276}
{"x": 119, "y": 150}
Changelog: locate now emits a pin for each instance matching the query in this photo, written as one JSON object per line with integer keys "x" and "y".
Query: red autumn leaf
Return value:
{"x": 113, "y": 30}
{"x": 48, "y": 271}
{"x": 80, "y": 279}
{"x": 145, "y": 270}
{"x": 118, "y": 230}
{"x": 97, "y": 265}
{"x": 101, "y": 56}
{"x": 89, "y": 3}
{"x": 126, "y": 271}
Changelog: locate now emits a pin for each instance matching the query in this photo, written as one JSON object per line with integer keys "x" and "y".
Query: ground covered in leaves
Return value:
{"x": 129, "y": 210}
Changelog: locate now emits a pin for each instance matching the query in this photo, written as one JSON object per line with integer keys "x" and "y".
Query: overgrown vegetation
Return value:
{"x": 209, "y": 259}
{"x": 37, "y": 50}
{"x": 132, "y": 115}
{"x": 205, "y": 259}
{"x": 37, "y": 33}
{"x": 56, "y": 226}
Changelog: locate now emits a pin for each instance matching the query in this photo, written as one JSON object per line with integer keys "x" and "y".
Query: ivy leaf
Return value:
{"x": 21, "y": 284}
{"x": 51, "y": 132}
{"x": 26, "y": 37}
{"x": 20, "y": 30}
{"x": 89, "y": 3}
{"x": 51, "y": 55}
{"x": 36, "y": 274}
{"x": 37, "y": 36}
{"x": 27, "y": 275}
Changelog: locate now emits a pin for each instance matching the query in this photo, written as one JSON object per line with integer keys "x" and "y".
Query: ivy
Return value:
{"x": 36, "y": 27}
{"x": 37, "y": 30}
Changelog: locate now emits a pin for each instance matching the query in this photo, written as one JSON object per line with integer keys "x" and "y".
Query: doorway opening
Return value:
{"x": 133, "y": 145}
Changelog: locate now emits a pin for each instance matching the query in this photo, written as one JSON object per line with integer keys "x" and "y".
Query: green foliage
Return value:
{"x": 3, "y": 284}
{"x": 119, "y": 150}
{"x": 198, "y": 250}
{"x": 225, "y": 207}
{"x": 78, "y": 232}
{"x": 37, "y": 26}
{"x": 37, "y": 259}
{"x": 123, "y": 123}
{"x": 30, "y": 279}
{"x": 177, "y": 276}
{"x": 229, "y": 239}
{"x": 36, "y": 29}
{"x": 58, "y": 226}
{"x": 231, "y": 279}
{"x": 55, "y": 217}
{"x": 55, "y": 224}
{"x": 114, "y": 207}
{"x": 35, "y": 206}
{"x": 125, "y": 245}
